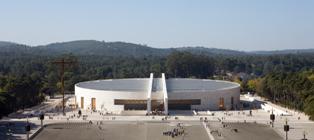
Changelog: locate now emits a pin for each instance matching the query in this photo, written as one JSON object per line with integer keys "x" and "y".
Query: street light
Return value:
{"x": 286, "y": 128}
{"x": 272, "y": 118}
{"x": 41, "y": 117}
{"x": 27, "y": 129}
{"x": 304, "y": 134}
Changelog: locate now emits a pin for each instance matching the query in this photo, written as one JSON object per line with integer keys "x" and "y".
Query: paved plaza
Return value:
{"x": 139, "y": 126}
{"x": 121, "y": 131}
{"x": 154, "y": 131}
{"x": 243, "y": 131}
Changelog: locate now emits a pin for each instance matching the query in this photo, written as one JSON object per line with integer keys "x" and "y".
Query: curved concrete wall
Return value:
{"x": 208, "y": 91}
{"x": 105, "y": 99}
{"x": 210, "y": 99}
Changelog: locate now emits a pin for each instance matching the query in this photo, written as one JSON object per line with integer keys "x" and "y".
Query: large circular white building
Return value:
{"x": 163, "y": 94}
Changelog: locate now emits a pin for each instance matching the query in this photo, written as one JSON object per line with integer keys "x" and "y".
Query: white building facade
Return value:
{"x": 116, "y": 95}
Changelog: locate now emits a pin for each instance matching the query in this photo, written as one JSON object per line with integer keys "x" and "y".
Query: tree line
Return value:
{"x": 26, "y": 79}
{"x": 294, "y": 90}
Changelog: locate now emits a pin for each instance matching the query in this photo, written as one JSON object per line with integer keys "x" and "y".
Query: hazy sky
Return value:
{"x": 228, "y": 24}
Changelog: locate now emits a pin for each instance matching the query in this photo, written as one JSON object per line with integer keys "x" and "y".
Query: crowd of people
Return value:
{"x": 175, "y": 132}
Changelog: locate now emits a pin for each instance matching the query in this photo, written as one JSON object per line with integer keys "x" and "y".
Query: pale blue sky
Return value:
{"x": 228, "y": 24}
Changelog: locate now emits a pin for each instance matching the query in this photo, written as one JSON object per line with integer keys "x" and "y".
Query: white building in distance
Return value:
{"x": 116, "y": 95}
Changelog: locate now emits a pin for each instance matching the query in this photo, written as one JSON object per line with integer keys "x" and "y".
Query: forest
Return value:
{"x": 27, "y": 74}
{"x": 294, "y": 90}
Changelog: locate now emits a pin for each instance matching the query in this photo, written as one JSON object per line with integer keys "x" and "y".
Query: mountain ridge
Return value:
{"x": 119, "y": 48}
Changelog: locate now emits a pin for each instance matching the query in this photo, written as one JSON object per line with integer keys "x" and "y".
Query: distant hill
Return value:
{"x": 292, "y": 51}
{"x": 92, "y": 47}
{"x": 210, "y": 51}
{"x": 117, "y": 49}
{"x": 6, "y": 43}
{"x": 13, "y": 48}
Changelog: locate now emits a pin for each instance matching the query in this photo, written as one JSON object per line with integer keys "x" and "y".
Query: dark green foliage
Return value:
{"x": 27, "y": 72}
{"x": 309, "y": 106}
{"x": 184, "y": 64}
{"x": 19, "y": 93}
{"x": 292, "y": 89}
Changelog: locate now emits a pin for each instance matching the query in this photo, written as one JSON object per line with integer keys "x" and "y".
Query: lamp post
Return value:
{"x": 272, "y": 118}
{"x": 27, "y": 129}
{"x": 304, "y": 134}
{"x": 250, "y": 112}
{"x": 41, "y": 117}
{"x": 286, "y": 128}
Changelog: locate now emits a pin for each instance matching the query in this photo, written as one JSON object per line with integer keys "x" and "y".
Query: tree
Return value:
{"x": 184, "y": 64}
{"x": 309, "y": 106}
{"x": 254, "y": 84}
{"x": 25, "y": 90}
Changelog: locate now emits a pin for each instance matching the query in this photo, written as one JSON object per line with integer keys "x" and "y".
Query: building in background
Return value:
{"x": 157, "y": 94}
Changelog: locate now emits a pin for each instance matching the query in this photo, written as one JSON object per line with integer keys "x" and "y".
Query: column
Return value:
{"x": 164, "y": 88}
{"x": 149, "y": 93}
